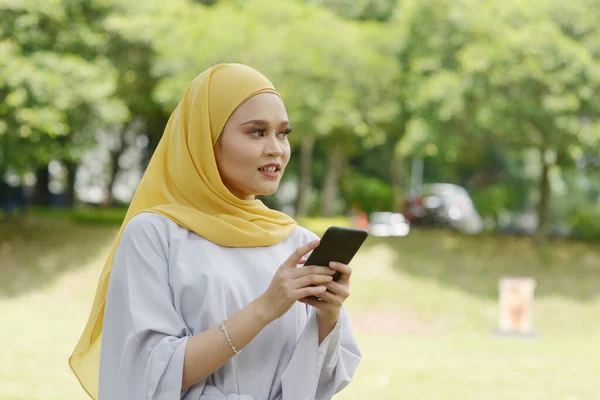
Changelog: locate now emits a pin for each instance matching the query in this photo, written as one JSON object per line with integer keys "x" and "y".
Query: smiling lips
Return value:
{"x": 271, "y": 170}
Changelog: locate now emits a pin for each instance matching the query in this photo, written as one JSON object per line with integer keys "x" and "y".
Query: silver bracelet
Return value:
{"x": 224, "y": 329}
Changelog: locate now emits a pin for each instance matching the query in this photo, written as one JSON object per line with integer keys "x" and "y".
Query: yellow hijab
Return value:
{"x": 182, "y": 182}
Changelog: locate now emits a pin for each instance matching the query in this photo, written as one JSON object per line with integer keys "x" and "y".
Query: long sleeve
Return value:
{"x": 144, "y": 338}
{"x": 320, "y": 371}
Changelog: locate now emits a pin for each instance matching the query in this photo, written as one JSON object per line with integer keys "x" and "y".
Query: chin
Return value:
{"x": 267, "y": 191}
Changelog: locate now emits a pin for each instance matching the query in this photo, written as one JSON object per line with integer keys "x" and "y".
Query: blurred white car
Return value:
{"x": 445, "y": 204}
{"x": 384, "y": 224}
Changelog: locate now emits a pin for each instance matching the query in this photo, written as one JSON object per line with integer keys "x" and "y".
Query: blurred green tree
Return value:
{"x": 57, "y": 85}
{"x": 531, "y": 85}
{"x": 333, "y": 77}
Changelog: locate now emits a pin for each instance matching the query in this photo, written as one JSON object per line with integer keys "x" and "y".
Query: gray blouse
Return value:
{"x": 168, "y": 284}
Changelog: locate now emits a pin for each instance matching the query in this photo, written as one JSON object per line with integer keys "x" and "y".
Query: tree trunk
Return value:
{"x": 544, "y": 201}
{"x": 71, "y": 175}
{"x": 154, "y": 129}
{"x": 330, "y": 182}
{"x": 109, "y": 201}
{"x": 3, "y": 190}
{"x": 305, "y": 184}
{"x": 115, "y": 155}
{"x": 397, "y": 179}
{"x": 41, "y": 195}
{"x": 397, "y": 174}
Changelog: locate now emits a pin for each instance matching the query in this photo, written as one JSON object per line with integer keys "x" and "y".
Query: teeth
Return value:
{"x": 269, "y": 169}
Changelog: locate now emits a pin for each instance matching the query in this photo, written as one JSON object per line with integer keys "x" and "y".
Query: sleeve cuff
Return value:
{"x": 167, "y": 374}
{"x": 329, "y": 349}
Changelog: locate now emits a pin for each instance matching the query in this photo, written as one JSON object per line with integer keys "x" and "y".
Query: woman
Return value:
{"x": 204, "y": 295}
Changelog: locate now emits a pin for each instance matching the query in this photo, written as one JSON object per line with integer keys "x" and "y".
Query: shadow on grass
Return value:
{"x": 36, "y": 250}
{"x": 476, "y": 263}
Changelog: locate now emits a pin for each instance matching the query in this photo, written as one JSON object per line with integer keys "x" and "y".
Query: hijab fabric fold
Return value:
{"x": 182, "y": 182}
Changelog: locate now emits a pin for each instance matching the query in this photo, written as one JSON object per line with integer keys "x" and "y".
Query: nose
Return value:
{"x": 273, "y": 147}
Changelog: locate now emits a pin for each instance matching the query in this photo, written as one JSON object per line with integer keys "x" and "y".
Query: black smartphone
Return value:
{"x": 338, "y": 244}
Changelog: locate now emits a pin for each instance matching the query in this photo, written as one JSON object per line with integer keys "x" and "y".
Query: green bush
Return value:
{"x": 115, "y": 216}
{"x": 50, "y": 212}
{"x": 84, "y": 215}
{"x": 585, "y": 223}
{"x": 320, "y": 225}
{"x": 108, "y": 216}
{"x": 492, "y": 200}
{"x": 371, "y": 193}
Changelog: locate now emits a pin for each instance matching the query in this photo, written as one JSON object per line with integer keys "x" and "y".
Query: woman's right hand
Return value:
{"x": 291, "y": 283}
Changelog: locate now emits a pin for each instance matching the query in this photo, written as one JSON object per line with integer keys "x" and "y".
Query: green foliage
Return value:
{"x": 492, "y": 200}
{"x": 585, "y": 223}
{"x": 368, "y": 193}
{"x": 336, "y": 76}
{"x": 486, "y": 92}
{"x": 375, "y": 10}
{"x": 57, "y": 84}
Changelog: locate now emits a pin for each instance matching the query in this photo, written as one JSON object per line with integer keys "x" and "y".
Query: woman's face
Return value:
{"x": 253, "y": 149}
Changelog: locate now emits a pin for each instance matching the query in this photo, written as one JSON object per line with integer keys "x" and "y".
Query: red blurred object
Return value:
{"x": 361, "y": 220}
{"x": 413, "y": 209}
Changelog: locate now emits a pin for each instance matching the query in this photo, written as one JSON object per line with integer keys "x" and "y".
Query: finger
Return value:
{"x": 311, "y": 301}
{"x": 312, "y": 280}
{"x": 310, "y": 291}
{"x": 338, "y": 289}
{"x": 344, "y": 269}
{"x": 332, "y": 299}
{"x": 313, "y": 270}
{"x": 299, "y": 253}
{"x": 302, "y": 261}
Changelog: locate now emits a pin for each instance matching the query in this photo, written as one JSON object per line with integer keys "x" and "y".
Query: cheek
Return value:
{"x": 245, "y": 154}
{"x": 286, "y": 152}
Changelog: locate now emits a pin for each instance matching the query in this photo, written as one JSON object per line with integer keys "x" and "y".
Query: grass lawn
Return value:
{"x": 475, "y": 367}
{"x": 424, "y": 308}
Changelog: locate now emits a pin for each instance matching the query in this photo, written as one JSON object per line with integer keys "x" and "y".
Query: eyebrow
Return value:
{"x": 263, "y": 122}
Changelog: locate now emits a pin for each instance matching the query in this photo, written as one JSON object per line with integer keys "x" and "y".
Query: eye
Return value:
{"x": 283, "y": 134}
{"x": 257, "y": 133}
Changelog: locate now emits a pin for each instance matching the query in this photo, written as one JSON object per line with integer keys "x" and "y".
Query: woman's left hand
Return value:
{"x": 332, "y": 300}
